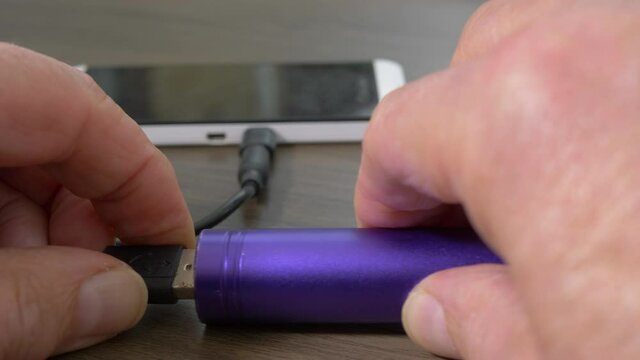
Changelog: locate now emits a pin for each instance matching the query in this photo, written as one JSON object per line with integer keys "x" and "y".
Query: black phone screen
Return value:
{"x": 242, "y": 93}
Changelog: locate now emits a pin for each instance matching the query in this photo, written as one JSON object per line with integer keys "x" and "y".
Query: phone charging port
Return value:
{"x": 216, "y": 136}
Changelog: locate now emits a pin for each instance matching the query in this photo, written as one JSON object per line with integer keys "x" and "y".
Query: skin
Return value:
{"x": 75, "y": 172}
{"x": 534, "y": 133}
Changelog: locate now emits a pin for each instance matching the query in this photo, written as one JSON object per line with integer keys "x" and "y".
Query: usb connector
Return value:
{"x": 183, "y": 281}
{"x": 168, "y": 271}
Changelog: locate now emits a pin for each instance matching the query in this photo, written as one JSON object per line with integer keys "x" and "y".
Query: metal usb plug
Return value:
{"x": 168, "y": 271}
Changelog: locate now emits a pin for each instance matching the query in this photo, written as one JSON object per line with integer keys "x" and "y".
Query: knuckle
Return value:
{"x": 477, "y": 22}
{"x": 558, "y": 91}
{"x": 564, "y": 71}
{"x": 481, "y": 27}
{"x": 380, "y": 133}
{"x": 388, "y": 110}
{"x": 388, "y": 104}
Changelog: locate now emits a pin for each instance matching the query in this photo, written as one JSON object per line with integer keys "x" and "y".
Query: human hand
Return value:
{"x": 535, "y": 132}
{"x": 75, "y": 171}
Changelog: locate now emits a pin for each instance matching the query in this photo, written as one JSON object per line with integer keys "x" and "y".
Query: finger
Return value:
{"x": 409, "y": 157}
{"x": 89, "y": 145}
{"x": 479, "y": 133}
{"x": 66, "y": 298}
{"x": 22, "y": 222}
{"x": 496, "y": 20}
{"x": 390, "y": 191}
{"x": 471, "y": 313}
{"x": 75, "y": 222}
{"x": 33, "y": 182}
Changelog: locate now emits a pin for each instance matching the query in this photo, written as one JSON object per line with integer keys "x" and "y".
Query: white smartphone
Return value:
{"x": 215, "y": 104}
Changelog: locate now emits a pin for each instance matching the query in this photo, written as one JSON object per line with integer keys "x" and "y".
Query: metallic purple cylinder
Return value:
{"x": 322, "y": 275}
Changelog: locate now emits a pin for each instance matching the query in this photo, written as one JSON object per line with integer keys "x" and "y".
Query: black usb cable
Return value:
{"x": 168, "y": 270}
{"x": 256, "y": 154}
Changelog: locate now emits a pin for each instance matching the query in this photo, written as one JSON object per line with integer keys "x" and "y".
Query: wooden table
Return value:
{"x": 312, "y": 185}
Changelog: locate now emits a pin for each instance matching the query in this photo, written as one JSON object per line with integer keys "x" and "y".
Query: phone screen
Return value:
{"x": 242, "y": 93}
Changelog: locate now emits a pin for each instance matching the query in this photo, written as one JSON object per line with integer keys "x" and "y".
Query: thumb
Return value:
{"x": 57, "y": 299}
{"x": 472, "y": 313}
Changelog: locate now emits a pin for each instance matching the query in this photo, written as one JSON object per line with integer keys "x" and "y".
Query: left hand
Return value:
{"x": 75, "y": 171}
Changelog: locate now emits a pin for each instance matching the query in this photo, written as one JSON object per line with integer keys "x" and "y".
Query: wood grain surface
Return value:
{"x": 312, "y": 185}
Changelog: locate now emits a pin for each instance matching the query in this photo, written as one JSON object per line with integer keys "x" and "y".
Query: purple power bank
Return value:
{"x": 322, "y": 275}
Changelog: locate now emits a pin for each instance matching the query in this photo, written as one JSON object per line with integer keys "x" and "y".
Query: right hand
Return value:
{"x": 535, "y": 132}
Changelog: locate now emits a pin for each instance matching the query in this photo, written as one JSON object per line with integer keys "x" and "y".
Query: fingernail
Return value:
{"x": 425, "y": 323}
{"x": 108, "y": 303}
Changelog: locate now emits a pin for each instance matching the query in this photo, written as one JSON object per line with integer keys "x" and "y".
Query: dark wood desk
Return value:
{"x": 312, "y": 185}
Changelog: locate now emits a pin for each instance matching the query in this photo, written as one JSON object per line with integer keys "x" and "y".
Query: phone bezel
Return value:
{"x": 388, "y": 75}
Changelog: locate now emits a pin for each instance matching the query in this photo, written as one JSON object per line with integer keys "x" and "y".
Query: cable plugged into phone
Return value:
{"x": 256, "y": 154}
